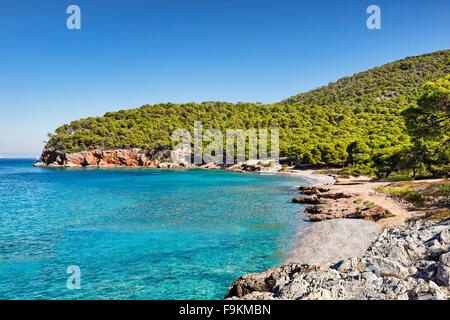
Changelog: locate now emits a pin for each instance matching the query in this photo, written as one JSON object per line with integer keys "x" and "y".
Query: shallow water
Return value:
{"x": 139, "y": 233}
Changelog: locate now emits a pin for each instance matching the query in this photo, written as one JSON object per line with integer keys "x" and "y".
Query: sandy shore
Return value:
{"x": 311, "y": 175}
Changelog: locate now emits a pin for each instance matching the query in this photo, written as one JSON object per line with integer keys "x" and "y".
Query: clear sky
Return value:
{"x": 130, "y": 53}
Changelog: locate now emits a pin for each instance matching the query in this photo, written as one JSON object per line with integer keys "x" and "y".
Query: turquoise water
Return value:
{"x": 138, "y": 233}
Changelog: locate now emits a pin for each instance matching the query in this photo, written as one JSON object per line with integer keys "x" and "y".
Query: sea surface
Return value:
{"x": 139, "y": 233}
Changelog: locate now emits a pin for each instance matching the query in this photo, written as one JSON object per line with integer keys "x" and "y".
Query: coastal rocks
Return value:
{"x": 264, "y": 281}
{"x": 210, "y": 165}
{"x": 95, "y": 158}
{"x": 333, "y": 240}
{"x": 386, "y": 267}
{"x": 244, "y": 167}
{"x": 385, "y": 271}
{"x": 337, "y": 211}
{"x": 323, "y": 197}
{"x": 109, "y": 158}
{"x": 307, "y": 200}
{"x": 175, "y": 165}
{"x": 325, "y": 205}
{"x": 309, "y": 190}
{"x": 154, "y": 164}
{"x": 372, "y": 214}
{"x": 139, "y": 158}
{"x": 255, "y": 166}
{"x": 39, "y": 164}
{"x": 443, "y": 272}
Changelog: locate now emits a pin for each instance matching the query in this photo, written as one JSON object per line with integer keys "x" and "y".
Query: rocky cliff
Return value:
{"x": 100, "y": 158}
{"x": 136, "y": 158}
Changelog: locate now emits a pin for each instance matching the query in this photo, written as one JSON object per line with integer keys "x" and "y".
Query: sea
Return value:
{"x": 128, "y": 233}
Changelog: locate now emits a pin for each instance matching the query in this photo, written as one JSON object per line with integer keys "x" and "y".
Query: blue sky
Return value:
{"x": 130, "y": 53}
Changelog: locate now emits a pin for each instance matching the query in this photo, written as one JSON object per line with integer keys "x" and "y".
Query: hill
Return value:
{"x": 353, "y": 120}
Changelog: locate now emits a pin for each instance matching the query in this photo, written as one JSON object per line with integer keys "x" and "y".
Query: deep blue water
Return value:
{"x": 138, "y": 233}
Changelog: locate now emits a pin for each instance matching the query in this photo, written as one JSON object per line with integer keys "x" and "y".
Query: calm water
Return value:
{"x": 138, "y": 233}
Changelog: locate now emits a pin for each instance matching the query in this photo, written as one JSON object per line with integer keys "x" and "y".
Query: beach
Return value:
{"x": 398, "y": 255}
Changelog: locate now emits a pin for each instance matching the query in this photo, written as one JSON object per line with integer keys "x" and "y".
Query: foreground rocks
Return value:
{"x": 411, "y": 262}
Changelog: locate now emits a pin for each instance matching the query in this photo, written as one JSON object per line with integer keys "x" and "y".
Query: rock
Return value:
{"x": 210, "y": 165}
{"x": 154, "y": 164}
{"x": 39, "y": 164}
{"x": 337, "y": 195}
{"x": 252, "y": 166}
{"x": 443, "y": 272}
{"x": 164, "y": 165}
{"x": 416, "y": 251}
{"x": 110, "y": 158}
{"x": 92, "y": 158}
{"x": 263, "y": 282}
{"x": 444, "y": 237}
{"x": 427, "y": 291}
{"x": 424, "y": 269}
{"x": 321, "y": 212}
{"x": 398, "y": 265}
{"x": 387, "y": 267}
{"x": 256, "y": 296}
{"x": 187, "y": 165}
{"x": 434, "y": 249}
{"x": 322, "y": 198}
{"x": 309, "y": 190}
{"x": 307, "y": 200}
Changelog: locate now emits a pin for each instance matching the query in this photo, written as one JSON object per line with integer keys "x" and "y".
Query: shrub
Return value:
{"x": 405, "y": 193}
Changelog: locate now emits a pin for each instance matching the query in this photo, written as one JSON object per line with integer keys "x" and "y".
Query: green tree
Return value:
{"x": 428, "y": 123}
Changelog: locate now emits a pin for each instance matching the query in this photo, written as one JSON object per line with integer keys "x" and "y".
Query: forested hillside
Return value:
{"x": 356, "y": 120}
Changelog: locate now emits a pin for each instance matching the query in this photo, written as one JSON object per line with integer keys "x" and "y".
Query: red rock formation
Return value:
{"x": 108, "y": 158}
{"x": 97, "y": 158}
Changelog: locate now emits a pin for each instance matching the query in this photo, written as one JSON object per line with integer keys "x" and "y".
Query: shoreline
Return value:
{"x": 324, "y": 247}
{"x": 411, "y": 262}
{"x": 396, "y": 257}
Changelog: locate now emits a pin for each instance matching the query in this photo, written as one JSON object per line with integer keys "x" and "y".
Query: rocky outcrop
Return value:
{"x": 323, "y": 197}
{"x": 410, "y": 262}
{"x": 135, "y": 158}
{"x": 325, "y": 205}
{"x": 339, "y": 211}
{"x": 309, "y": 190}
{"x": 443, "y": 272}
{"x": 253, "y": 166}
{"x": 109, "y": 158}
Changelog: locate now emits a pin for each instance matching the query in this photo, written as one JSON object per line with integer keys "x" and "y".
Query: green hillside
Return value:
{"x": 354, "y": 120}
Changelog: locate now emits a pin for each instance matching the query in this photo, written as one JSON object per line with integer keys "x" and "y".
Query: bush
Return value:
{"x": 405, "y": 193}
{"x": 438, "y": 189}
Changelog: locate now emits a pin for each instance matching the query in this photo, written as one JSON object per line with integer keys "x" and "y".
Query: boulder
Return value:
{"x": 443, "y": 272}
{"x": 397, "y": 265}
{"x": 309, "y": 190}
{"x": 387, "y": 267}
